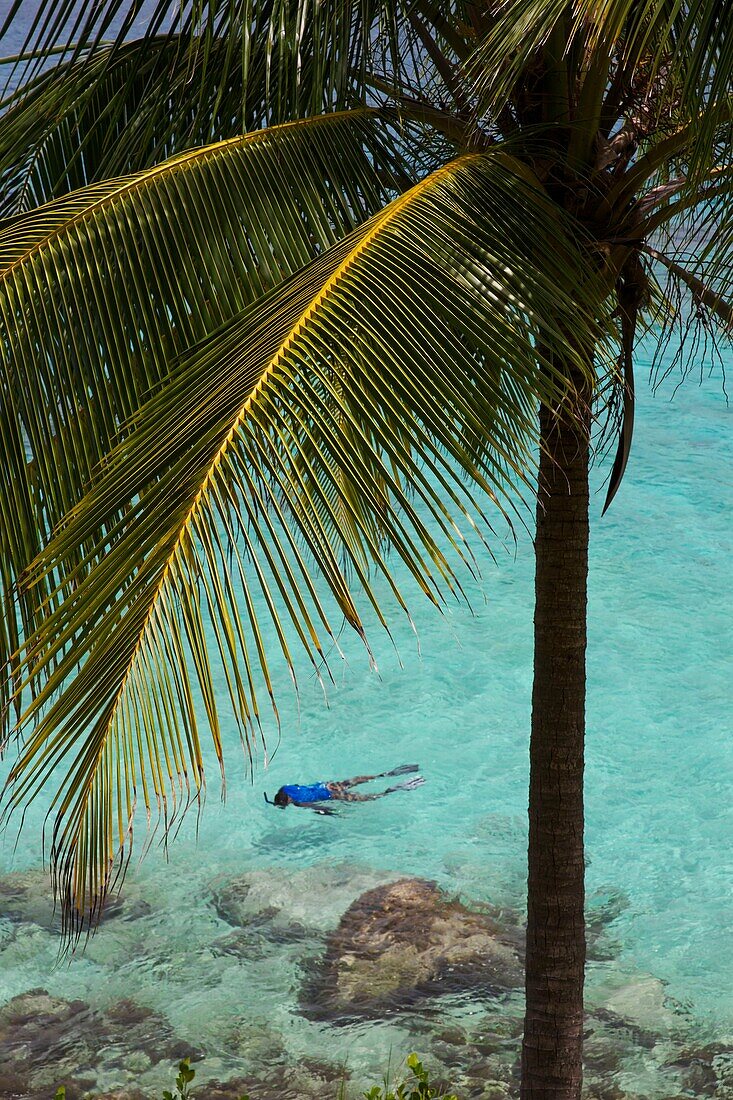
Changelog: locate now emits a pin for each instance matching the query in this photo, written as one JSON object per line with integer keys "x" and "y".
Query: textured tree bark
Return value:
{"x": 552, "y": 1049}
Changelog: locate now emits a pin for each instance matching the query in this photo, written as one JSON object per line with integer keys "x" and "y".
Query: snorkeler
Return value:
{"x": 311, "y": 796}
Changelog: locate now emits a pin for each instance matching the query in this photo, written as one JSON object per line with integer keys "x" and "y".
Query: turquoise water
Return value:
{"x": 659, "y": 776}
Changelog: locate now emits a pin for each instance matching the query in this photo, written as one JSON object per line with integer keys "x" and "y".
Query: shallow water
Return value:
{"x": 659, "y": 816}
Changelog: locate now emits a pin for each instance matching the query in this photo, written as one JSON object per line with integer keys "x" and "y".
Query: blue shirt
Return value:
{"x": 313, "y": 792}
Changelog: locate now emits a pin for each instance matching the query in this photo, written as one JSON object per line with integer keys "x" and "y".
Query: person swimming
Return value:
{"x": 311, "y": 796}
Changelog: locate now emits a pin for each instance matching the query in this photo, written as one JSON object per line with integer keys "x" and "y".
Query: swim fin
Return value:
{"x": 408, "y": 785}
{"x": 402, "y": 770}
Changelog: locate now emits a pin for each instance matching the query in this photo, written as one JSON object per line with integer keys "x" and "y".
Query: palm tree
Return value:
{"x": 225, "y": 363}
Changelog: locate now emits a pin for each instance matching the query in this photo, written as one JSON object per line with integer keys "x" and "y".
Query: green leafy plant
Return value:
{"x": 418, "y": 1086}
{"x": 183, "y": 1080}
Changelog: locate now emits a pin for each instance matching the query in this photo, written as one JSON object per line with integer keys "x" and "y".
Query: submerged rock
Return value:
{"x": 228, "y": 1090}
{"x": 705, "y": 1069}
{"x": 31, "y": 1017}
{"x": 636, "y": 1001}
{"x": 7, "y": 932}
{"x": 403, "y": 941}
{"x": 46, "y": 1041}
{"x": 263, "y": 932}
{"x": 622, "y": 1061}
{"x": 121, "y": 1094}
{"x": 603, "y": 908}
{"x": 286, "y": 904}
{"x": 307, "y": 1079}
{"x": 27, "y": 896}
{"x": 254, "y": 1040}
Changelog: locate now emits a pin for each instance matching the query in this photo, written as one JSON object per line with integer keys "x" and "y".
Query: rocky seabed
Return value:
{"x": 376, "y": 964}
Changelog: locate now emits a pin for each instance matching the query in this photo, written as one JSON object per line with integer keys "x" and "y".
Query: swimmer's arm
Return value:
{"x": 317, "y": 807}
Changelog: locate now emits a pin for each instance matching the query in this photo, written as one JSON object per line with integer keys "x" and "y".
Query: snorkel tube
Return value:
{"x": 268, "y": 800}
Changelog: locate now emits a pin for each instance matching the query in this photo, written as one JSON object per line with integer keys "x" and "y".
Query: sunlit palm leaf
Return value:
{"x": 425, "y": 322}
{"x": 114, "y": 281}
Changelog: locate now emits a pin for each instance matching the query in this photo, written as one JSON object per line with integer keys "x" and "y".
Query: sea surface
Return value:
{"x": 455, "y": 698}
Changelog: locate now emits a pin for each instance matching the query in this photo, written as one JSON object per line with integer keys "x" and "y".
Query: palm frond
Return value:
{"x": 706, "y": 295}
{"x": 100, "y": 290}
{"x": 91, "y": 120}
{"x": 685, "y": 217}
{"x": 141, "y": 86}
{"x": 419, "y": 49}
{"x": 309, "y": 48}
{"x": 670, "y": 60}
{"x": 399, "y": 363}
{"x": 697, "y": 323}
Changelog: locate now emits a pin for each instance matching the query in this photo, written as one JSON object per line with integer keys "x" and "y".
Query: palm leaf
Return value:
{"x": 693, "y": 219}
{"x": 193, "y": 74}
{"x": 91, "y": 120}
{"x": 115, "y": 280}
{"x": 704, "y": 294}
{"x": 676, "y": 55}
{"x": 419, "y": 332}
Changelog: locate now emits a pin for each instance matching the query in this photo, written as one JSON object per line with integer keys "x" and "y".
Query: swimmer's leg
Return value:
{"x": 340, "y": 791}
{"x": 345, "y": 783}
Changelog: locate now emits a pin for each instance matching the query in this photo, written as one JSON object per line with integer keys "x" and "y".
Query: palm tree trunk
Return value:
{"x": 553, "y": 1029}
